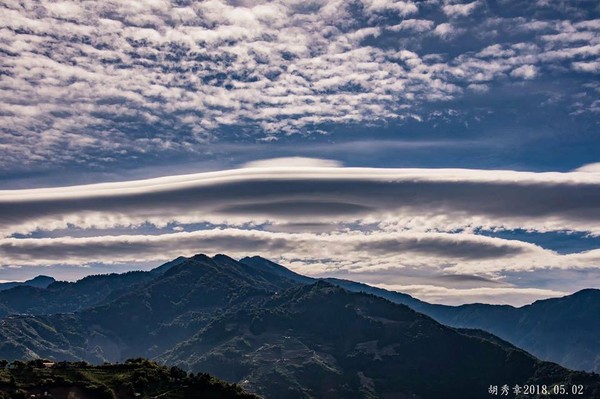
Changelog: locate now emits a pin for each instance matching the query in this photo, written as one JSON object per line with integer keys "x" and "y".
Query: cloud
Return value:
{"x": 591, "y": 67}
{"x": 524, "y": 72}
{"x": 459, "y": 10}
{"x": 589, "y": 168}
{"x": 457, "y": 296}
{"x": 368, "y": 224}
{"x": 409, "y": 227}
{"x": 401, "y": 7}
{"x": 293, "y": 162}
{"x": 439, "y": 267}
{"x": 393, "y": 198}
{"x": 95, "y": 83}
{"x": 414, "y": 25}
{"x": 446, "y": 30}
{"x": 467, "y": 279}
{"x": 317, "y": 254}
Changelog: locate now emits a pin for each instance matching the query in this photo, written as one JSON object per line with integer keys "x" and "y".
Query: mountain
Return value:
{"x": 393, "y": 296}
{"x": 146, "y": 319}
{"x": 321, "y": 341}
{"x": 134, "y": 378}
{"x": 563, "y": 330}
{"x": 262, "y": 264}
{"x": 39, "y": 282}
{"x": 254, "y": 323}
{"x": 167, "y": 266}
{"x": 64, "y": 297}
{"x": 44, "y": 295}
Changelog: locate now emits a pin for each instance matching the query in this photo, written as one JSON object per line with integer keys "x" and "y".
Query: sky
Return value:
{"x": 445, "y": 149}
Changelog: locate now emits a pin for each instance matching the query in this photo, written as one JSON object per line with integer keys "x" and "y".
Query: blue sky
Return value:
{"x": 96, "y": 92}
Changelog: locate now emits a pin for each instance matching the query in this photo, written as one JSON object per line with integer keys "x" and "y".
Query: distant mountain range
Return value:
{"x": 276, "y": 333}
{"x": 39, "y": 282}
{"x": 65, "y": 297}
{"x": 563, "y": 330}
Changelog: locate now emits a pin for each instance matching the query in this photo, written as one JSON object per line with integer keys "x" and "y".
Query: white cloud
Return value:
{"x": 446, "y": 31}
{"x": 456, "y": 296}
{"x": 524, "y": 72}
{"x": 439, "y": 267}
{"x": 293, "y": 162}
{"x": 478, "y": 88}
{"x": 591, "y": 67}
{"x": 589, "y": 168}
{"x": 94, "y": 82}
{"x": 317, "y": 254}
{"x": 414, "y": 25}
{"x": 462, "y": 10}
{"x": 401, "y": 7}
{"x": 396, "y": 198}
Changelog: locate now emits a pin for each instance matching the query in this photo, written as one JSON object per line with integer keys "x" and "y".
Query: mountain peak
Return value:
{"x": 253, "y": 257}
{"x": 185, "y": 264}
{"x": 223, "y": 257}
{"x": 201, "y": 257}
{"x": 42, "y": 277}
{"x": 168, "y": 266}
{"x": 587, "y": 291}
{"x": 261, "y": 263}
{"x": 40, "y": 281}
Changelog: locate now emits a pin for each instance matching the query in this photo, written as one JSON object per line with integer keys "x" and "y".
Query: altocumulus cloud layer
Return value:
{"x": 321, "y": 219}
{"x": 92, "y": 83}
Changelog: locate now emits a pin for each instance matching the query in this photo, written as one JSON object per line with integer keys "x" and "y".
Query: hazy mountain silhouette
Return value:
{"x": 39, "y": 282}
{"x": 62, "y": 296}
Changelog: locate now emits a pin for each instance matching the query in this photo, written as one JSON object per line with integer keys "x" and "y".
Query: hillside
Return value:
{"x": 563, "y": 330}
{"x": 320, "y": 341}
{"x": 132, "y": 379}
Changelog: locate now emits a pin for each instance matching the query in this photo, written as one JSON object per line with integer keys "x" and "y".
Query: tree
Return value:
{"x": 17, "y": 364}
{"x": 177, "y": 373}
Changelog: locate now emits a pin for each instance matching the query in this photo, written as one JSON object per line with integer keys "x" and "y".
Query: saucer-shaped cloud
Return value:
{"x": 589, "y": 168}
{"x": 286, "y": 162}
{"x": 437, "y": 199}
